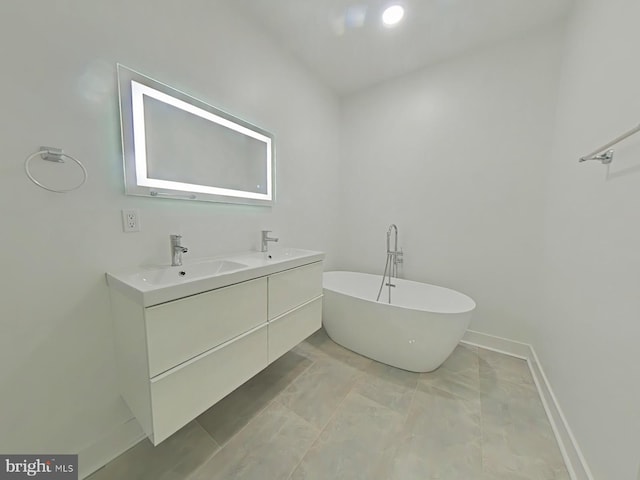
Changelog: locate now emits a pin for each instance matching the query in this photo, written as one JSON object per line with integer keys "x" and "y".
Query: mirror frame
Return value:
{"x": 132, "y": 87}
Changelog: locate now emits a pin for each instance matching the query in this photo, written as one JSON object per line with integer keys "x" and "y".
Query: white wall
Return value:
{"x": 588, "y": 337}
{"x": 457, "y": 155}
{"x": 57, "y": 375}
{"x": 454, "y": 155}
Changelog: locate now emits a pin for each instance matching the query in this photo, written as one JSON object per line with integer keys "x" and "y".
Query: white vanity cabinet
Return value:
{"x": 176, "y": 359}
{"x": 295, "y": 307}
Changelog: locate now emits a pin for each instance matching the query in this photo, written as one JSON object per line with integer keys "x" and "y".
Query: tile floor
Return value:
{"x": 324, "y": 412}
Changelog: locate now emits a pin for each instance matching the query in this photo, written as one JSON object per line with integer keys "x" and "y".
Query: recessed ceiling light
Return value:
{"x": 392, "y": 15}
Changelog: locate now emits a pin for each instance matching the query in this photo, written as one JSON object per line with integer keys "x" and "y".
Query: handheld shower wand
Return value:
{"x": 394, "y": 257}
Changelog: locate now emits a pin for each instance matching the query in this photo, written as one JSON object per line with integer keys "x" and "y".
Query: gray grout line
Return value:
{"x": 258, "y": 413}
{"x": 201, "y": 466}
{"x": 333, "y": 415}
{"x": 406, "y": 416}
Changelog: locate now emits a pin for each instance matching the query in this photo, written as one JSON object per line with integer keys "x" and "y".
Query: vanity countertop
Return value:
{"x": 153, "y": 285}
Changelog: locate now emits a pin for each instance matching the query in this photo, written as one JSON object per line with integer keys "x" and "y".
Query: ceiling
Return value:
{"x": 346, "y": 45}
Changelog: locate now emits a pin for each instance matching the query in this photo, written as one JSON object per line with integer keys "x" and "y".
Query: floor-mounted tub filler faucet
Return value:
{"x": 394, "y": 258}
{"x": 266, "y": 239}
{"x": 177, "y": 250}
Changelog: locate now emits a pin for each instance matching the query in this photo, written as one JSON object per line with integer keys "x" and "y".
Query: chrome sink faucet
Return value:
{"x": 177, "y": 250}
{"x": 265, "y": 239}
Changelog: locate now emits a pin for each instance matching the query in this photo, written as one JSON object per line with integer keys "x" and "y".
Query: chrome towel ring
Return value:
{"x": 53, "y": 155}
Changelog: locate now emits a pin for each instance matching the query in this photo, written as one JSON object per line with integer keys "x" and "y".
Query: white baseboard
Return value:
{"x": 575, "y": 461}
{"x": 118, "y": 441}
{"x": 498, "y": 344}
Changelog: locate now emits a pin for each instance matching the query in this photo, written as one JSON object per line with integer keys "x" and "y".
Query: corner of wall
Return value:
{"x": 119, "y": 440}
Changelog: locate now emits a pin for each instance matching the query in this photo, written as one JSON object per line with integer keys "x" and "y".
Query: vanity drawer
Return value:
{"x": 294, "y": 287}
{"x": 183, "y": 329}
{"x": 180, "y": 395}
{"x": 288, "y": 330}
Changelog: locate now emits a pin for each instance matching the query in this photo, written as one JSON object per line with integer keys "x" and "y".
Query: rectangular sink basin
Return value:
{"x": 185, "y": 273}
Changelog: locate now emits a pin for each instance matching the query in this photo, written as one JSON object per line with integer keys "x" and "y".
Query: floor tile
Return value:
{"x": 464, "y": 360}
{"x": 518, "y": 441}
{"x": 232, "y": 413}
{"x": 441, "y": 439}
{"x": 438, "y": 417}
{"x": 511, "y": 407}
{"x": 387, "y": 386}
{"x": 174, "y": 459}
{"x": 513, "y": 467}
{"x": 270, "y": 447}
{"x": 465, "y": 386}
{"x": 458, "y": 375}
{"x": 320, "y": 347}
{"x": 494, "y": 365}
{"x": 351, "y": 445}
{"x": 317, "y": 393}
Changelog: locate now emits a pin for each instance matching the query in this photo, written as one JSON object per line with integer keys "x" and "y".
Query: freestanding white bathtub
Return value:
{"x": 416, "y": 332}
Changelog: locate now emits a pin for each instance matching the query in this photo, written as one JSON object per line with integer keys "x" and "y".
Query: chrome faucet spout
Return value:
{"x": 266, "y": 239}
{"x": 177, "y": 250}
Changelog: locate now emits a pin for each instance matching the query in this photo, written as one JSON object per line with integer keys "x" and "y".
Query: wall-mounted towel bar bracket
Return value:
{"x": 604, "y": 154}
{"x": 605, "y": 158}
{"x": 52, "y": 154}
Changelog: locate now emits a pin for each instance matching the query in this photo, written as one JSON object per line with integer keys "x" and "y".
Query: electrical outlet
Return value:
{"x": 130, "y": 220}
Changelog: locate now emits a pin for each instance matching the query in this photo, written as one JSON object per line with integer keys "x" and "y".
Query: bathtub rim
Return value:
{"x": 395, "y": 305}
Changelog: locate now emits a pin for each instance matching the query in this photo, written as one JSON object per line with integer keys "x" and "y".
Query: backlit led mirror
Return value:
{"x": 175, "y": 146}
